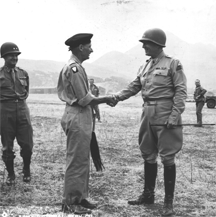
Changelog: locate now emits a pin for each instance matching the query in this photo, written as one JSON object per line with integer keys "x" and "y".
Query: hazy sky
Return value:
{"x": 40, "y": 27}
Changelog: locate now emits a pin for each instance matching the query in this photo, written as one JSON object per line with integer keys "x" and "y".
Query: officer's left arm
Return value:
{"x": 180, "y": 91}
{"x": 27, "y": 81}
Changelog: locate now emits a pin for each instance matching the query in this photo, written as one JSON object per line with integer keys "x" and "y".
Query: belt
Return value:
{"x": 156, "y": 101}
{"x": 12, "y": 100}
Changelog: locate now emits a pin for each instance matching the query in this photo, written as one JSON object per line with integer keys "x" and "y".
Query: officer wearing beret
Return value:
{"x": 162, "y": 83}
{"x": 77, "y": 123}
{"x": 14, "y": 114}
{"x": 200, "y": 101}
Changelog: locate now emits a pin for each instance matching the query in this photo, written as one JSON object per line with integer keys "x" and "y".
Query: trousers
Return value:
{"x": 15, "y": 123}
{"x": 159, "y": 140}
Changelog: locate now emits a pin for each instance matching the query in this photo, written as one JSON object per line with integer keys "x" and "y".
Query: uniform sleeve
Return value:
{"x": 28, "y": 83}
{"x": 132, "y": 89}
{"x": 203, "y": 91}
{"x": 79, "y": 85}
{"x": 180, "y": 90}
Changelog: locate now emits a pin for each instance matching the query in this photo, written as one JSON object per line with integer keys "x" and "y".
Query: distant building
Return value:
{"x": 43, "y": 90}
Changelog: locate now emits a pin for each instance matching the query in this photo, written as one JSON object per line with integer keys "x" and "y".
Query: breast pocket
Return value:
{"x": 4, "y": 82}
{"x": 160, "y": 76}
{"x": 23, "y": 81}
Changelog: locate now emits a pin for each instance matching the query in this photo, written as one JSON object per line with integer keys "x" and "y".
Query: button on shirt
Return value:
{"x": 165, "y": 78}
{"x": 13, "y": 89}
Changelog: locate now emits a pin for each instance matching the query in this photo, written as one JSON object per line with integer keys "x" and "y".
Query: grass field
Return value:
{"x": 122, "y": 179}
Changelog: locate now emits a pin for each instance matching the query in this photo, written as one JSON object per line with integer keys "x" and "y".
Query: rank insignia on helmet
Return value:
{"x": 75, "y": 70}
{"x": 179, "y": 67}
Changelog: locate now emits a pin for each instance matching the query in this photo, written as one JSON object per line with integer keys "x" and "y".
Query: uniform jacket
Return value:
{"x": 160, "y": 78}
{"x": 199, "y": 94}
{"x": 73, "y": 84}
{"x": 10, "y": 90}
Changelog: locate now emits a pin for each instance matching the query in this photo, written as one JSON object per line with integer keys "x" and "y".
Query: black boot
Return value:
{"x": 169, "y": 182}
{"x": 26, "y": 169}
{"x": 11, "y": 175}
{"x": 147, "y": 197}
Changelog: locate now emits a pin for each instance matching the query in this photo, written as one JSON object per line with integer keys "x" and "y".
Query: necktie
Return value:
{"x": 13, "y": 75}
{"x": 152, "y": 63}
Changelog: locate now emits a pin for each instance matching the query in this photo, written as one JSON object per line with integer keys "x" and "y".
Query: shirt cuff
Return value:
{"x": 86, "y": 100}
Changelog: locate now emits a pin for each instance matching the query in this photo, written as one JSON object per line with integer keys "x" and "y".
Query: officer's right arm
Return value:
{"x": 132, "y": 89}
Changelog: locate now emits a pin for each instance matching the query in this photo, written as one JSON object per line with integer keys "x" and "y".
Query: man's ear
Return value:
{"x": 81, "y": 47}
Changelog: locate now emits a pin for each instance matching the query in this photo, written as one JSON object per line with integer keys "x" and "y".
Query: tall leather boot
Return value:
{"x": 148, "y": 195}
{"x": 26, "y": 168}
{"x": 11, "y": 175}
{"x": 169, "y": 182}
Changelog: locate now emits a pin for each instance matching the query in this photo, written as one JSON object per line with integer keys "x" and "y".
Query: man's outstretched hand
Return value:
{"x": 112, "y": 100}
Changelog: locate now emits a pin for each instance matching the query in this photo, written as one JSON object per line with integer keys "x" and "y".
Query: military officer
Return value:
{"x": 95, "y": 91}
{"x": 77, "y": 123}
{"x": 15, "y": 118}
{"x": 162, "y": 83}
{"x": 200, "y": 101}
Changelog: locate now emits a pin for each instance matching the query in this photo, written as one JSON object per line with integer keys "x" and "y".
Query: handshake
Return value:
{"x": 112, "y": 100}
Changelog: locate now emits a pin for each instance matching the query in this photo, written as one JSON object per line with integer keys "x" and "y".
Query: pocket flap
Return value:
{"x": 163, "y": 72}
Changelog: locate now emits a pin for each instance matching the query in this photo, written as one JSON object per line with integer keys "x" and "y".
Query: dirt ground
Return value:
{"x": 122, "y": 179}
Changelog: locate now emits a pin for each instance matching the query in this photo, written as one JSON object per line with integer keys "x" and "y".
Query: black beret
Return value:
{"x": 76, "y": 40}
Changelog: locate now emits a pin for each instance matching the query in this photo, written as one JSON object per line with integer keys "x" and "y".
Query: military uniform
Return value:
{"x": 163, "y": 87}
{"x": 77, "y": 123}
{"x": 200, "y": 101}
{"x": 95, "y": 91}
{"x": 162, "y": 83}
{"x": 15, "y": 118}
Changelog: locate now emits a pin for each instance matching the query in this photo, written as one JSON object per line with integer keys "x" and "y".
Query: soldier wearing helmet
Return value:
{"x": 15, "y": 118}
{"x": 162, "y": 83}
{"x": 200, "y": 101}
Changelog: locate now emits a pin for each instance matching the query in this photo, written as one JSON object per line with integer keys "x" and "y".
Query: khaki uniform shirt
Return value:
{"x": 73, "y": 84}
{"x": 160, "y": 78}
{"x": 11, "y": 89}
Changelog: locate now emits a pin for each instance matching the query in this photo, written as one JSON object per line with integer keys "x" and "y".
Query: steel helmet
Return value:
{"x": 9, "y": 47}
{"x": 155, "y": 35}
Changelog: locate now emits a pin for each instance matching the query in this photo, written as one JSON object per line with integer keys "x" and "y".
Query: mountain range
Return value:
{"x": 115, "y": 69}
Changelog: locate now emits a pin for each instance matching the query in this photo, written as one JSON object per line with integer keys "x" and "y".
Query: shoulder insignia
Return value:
{"x": 179, "y": 67}
{"x": 75, "y": 70}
